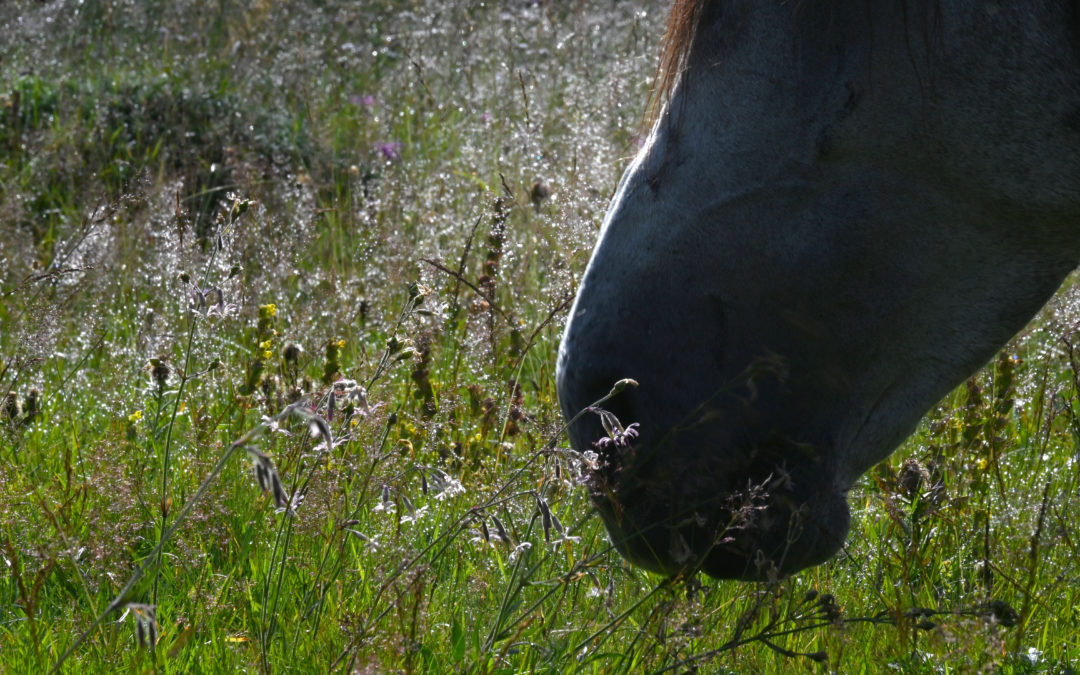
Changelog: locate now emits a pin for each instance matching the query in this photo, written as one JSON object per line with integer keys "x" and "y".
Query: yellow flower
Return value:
{"x": 341, "y": 344}
{"x": 267, "y": 354}
{"x": 135, "y": 417}
{"x": 271, "y": 309}
{"x": 983, "y": 464}
{"x": 479, "y": 437}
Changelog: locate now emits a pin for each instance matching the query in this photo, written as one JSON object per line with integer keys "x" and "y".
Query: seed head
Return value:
{"x": 539, "y": 192}
{"x": 159, "y": 372}
{"x": 291, "y": 353}
{"x": 12, "y": 407}
{"x": 32, "y": 403}
{"x": 913, "y": 476}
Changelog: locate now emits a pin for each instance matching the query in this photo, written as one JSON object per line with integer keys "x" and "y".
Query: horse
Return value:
{"x": 841, "y": 211}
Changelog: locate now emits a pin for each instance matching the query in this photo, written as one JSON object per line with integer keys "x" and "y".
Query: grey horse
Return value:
{"x": 843, "y": 209}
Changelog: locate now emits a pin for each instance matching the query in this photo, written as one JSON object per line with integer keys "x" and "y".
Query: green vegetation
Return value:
{"x": 282, "y": 288}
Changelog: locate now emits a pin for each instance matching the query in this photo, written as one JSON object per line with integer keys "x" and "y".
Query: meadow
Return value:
{"x": 281, "y": 291}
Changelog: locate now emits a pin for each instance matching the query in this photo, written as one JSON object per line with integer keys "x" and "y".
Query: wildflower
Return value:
{"x": 265, "y": 326}
{"x": 591, "y": 460}
{"x": 372, "y": 543}
{"x": 353, "y": 398}
{"x": 209, "y": 301}
{"x": 519, "y": 550}
{"x": 273, "y": 424}
{"x": 362, "y": 101}
{"x": 414, "y": 515}
{"x": 220, "y": 308}
{"x": 135, "y": 417}
{"x": 294, "y": 504}
{"x": 239, "y": 206}
{"x": 446, "y": 487}
{"x": 385, "y": 504}
{"x": 268, "y": 478}
{"x": 317, "y": 426}
{"x": 564, "y": 538}
{"x": 618, "y": 437}
{"x": 390, "y": 151}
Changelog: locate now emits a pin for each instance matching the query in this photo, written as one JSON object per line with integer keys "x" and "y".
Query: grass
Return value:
{"x": 219, "y": 223}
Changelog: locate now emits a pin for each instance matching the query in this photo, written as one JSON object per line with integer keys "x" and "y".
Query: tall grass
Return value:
{"x": 282, "y": 287}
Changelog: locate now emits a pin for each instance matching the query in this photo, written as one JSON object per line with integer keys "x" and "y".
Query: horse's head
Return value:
{"x": 839, "y": 215}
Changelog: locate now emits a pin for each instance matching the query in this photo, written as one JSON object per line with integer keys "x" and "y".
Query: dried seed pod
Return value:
{"x": 12, "y": 406}
{"x": 503, "y": 536}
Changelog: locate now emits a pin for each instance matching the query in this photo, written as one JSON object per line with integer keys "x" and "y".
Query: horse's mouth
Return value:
{"x": 677, "y": 521}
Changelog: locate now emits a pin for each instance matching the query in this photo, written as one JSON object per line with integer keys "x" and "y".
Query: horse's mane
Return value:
{"x": 674, "y": 53}
{"x": 678, "y": 40}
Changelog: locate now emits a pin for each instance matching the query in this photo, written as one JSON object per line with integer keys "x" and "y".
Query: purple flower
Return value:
{"x": 619, "y": 438}
{"x": 390, "y": 151}
{"x": 365, "y": 101}
{"x": 485, "y": 118}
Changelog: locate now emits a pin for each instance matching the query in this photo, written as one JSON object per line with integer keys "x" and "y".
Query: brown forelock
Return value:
{"x": 674, "y": 53}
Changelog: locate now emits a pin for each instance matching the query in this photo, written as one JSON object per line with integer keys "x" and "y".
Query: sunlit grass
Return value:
{"x": 232, "y": 234}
